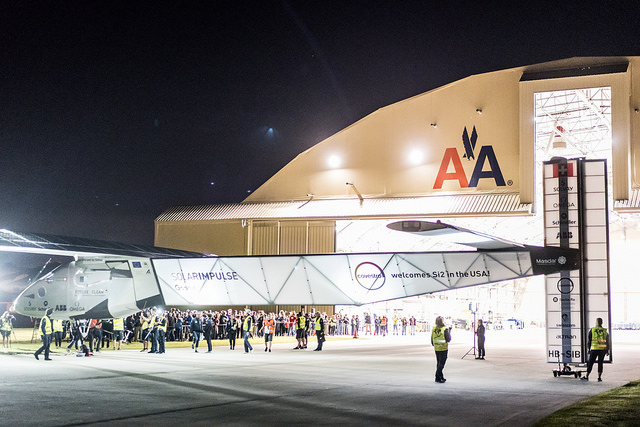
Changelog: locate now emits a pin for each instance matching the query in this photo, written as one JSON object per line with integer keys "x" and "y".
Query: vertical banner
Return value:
{"x": 563, "y": 289}
{"x": 595, "y": 238}
{"x": 576, "y": 216}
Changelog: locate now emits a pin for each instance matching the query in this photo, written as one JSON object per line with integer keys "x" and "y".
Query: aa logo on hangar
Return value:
{"x": 452, "y": 158}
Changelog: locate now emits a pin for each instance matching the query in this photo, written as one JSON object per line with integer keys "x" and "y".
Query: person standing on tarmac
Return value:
{"x": 153, "y": 330}
{"x": 46, "y": 331}
{"x": 207, "y": 327}
{"x": 57, "y": 332}
{"x": 599, "y": 344}
{"x": 6, "y": 327}
{"x": 480, "y": 334}
{"x": 118, "y": 331}
{"x": 319, "y": 328}
{"x": 162, "y": 331}
{"x": 301, "y": 330}
{"x": 440, "y": 337}
{"x": 196, "y": 330}
{"x": 269, "y": 330}
{"x": 144, "y": 318}
{"x": 247, "y": 327}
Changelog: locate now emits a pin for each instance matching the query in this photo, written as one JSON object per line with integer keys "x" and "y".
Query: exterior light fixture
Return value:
{"x": 334, "y": 161}
{"x": 310, "y": 196}
{"x": 356, "y": 190}
{"x": 416, "y": 157}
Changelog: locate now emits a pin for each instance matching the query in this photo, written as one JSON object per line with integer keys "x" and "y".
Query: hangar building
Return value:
{"x": 468, "y": 153}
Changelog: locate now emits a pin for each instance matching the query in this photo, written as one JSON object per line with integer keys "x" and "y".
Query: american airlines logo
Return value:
{"x": 486, "y": 157}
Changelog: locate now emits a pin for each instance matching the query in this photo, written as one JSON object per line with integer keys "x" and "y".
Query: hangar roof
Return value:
{"x": 432, "y": 206}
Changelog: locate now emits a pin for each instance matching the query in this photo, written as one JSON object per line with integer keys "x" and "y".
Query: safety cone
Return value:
{"x": 355, "y": 332}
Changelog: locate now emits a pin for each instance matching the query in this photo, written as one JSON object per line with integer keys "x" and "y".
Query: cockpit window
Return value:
{"x": 42, "y": 291}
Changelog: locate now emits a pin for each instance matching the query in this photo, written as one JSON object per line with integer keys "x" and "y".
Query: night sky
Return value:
{"x": 111, "y": 112}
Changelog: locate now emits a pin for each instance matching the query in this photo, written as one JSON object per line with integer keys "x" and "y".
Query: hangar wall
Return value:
{"x": 292, "y": 237}
{"x": 257, "y": 237}
{"x": 220, "y": 237}
{"x": 398, "y": 150}
{"x": 472, "y": 138}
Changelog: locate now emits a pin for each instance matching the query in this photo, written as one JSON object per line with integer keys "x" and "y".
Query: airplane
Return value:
{"x": 106, "y": 280}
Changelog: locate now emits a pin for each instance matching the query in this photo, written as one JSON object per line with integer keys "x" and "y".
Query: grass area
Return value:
{"x": 619, "y": 406}
{"x": 22, "y": 343}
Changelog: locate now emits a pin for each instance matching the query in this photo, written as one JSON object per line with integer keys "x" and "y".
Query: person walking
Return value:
{"x": 599, "y": 343}
{"x": 440, "y": 337}
{"x": 232, "y": 325}
{"x": 480, "y": 335}
{"x": 46, "y": 332}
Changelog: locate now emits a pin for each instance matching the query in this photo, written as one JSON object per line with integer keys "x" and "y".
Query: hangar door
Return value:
{"x": 279, "y": 237}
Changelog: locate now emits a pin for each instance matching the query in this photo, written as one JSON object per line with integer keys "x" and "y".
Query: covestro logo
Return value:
{"x": 370, "y": 276}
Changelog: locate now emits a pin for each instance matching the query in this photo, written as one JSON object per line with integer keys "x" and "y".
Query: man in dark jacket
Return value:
{"x": 319, "y": 328}
{"x": 208, "y": 329}
{"x": 480, "y": 334}
{"x": 196, "y": 330}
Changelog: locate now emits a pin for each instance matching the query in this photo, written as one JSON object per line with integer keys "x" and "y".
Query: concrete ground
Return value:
{"x": 369, "y": 381}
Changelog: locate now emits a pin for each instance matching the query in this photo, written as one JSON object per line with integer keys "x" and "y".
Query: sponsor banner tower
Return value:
{"x": 576, "y": 216}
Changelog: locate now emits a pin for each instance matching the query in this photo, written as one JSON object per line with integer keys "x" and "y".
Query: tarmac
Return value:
{"x": 367, "y": 381}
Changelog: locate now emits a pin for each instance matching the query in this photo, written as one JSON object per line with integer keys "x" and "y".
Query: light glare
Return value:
{"x": 334, "y": 161}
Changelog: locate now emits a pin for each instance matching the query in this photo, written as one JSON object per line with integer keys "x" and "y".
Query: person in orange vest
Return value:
{"x": 355, "y": 325}
{"x": 383, "y": 326}
{"x": 95, "y": 333}
{"x": 269, "y": 329}
{"x": 46, "y": 332}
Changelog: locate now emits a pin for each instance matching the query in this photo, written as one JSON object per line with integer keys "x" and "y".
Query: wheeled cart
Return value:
{"x": 566, "y": 371}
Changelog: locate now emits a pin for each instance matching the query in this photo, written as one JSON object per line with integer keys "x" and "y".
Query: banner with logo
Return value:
{"x": 344, "y": 278}
{"x": 576, "y": 216}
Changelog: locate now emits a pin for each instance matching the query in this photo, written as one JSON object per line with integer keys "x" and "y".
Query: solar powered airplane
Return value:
{"x": 106, "y": 280}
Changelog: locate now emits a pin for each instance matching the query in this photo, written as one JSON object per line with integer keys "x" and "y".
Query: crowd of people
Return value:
{"x": 154, "y": 327}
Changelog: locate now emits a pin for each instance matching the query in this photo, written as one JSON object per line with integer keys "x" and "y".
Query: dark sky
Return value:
{"x": 111, "y": 112}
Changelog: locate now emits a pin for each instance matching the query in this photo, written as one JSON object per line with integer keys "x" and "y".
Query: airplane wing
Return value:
{"x": 11, "y": 241}
{"x": 100, "y": 284}
{"x": 349, "y": 279}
